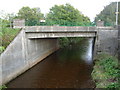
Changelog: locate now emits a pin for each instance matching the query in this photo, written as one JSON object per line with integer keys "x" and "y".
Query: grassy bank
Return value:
{"x": 6, "y": 36}
{"x": 106, "y": 72}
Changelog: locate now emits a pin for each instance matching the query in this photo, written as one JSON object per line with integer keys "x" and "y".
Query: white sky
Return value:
{"x": 88, "y": 7}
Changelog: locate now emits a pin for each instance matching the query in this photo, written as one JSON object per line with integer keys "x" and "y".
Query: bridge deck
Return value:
{"x": 62, "y": 31}
{"x": 59, "y": 31}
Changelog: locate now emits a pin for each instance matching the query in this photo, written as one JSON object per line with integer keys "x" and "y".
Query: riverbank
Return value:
{"x": 6, "y": 37}
{"x": 106, "y": 71}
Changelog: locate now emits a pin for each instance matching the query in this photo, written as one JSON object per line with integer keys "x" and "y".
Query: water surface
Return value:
{"x": 69, "y": 67}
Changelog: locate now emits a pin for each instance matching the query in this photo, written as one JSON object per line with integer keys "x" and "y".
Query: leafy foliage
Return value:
{"x": 3, "y": 87}
{"x": 108, "y": 14}
{"x": 32, "y": 16}
{"x": 7, "y": 34}
{"x": 66, "y": 15}
{"x": 106, "y": 72}
{"x": 68, "y": 41}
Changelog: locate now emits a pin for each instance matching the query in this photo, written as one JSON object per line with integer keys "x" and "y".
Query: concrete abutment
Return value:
{"x": 23, "y": 53}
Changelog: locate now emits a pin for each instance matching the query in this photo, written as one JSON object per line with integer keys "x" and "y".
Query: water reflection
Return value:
{"x": 67, "y": 68}
{"x": 88, "y": 54}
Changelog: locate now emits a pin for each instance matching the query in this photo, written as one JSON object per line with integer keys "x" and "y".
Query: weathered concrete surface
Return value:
{"x": 18, "y": 23}
{"x": 58, "y": 28}
{"x": 58, "y": 35}
{"x": 100, "y": 23}
{"x": 59, "y": 31}
{"x": 107, "y": 41}
{"x": 24, "y": 53}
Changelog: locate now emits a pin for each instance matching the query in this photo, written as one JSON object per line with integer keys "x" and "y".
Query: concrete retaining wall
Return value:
{"x": 107, "y": 41}
{"x": 24, "y": 53}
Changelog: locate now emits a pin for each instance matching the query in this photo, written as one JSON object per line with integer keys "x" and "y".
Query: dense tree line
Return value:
{"x": 66, "y": 15}
{"x": 59, "y": 14}
{"x": 32, "y": 16}
{"x": 108, "y": 14}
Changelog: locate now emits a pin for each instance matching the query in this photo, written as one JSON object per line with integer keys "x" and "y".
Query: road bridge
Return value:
{"x": 34, "y": 43}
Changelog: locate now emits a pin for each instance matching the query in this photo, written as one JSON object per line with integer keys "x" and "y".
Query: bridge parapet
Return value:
{"x": 58, "y": 29}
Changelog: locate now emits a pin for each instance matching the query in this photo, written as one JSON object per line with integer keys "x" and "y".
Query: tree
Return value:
{"x": 119, "y": 13}
{"x": 108, "y": 14}
{"x": 66, "y": 15}
{"x": 32, "y": 16}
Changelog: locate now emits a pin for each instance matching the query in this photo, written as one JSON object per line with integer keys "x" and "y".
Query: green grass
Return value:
{"x": 6, "y": 36}
{"x": 106, "y": 71}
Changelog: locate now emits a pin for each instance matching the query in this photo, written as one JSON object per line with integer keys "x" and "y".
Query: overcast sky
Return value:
{"x": 88, "y": 7}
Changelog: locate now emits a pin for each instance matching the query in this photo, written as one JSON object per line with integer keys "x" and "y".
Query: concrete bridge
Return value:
{"x": 34, "y": 43}
{"x": 59, "y": 31}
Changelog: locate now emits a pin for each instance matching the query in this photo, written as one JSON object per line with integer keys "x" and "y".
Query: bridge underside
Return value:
{"x": 60, "y": 34}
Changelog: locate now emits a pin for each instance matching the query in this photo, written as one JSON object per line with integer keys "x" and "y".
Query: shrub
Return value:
{"x": 2, "y": 87}
{"x": 106, "y": 71}
{"x": 7, "y": 35}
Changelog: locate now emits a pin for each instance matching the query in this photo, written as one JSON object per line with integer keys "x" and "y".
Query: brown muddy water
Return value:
{"x": 69, "y": 67}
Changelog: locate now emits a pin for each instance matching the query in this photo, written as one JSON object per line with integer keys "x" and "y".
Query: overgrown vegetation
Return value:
{"x": 106, "y": 71}
{"x": 108, "y": 14}
{"x": 7, "y": 34}
{"x": 32, "y": 16}
{"x": 67, "y": 16}
{"x": 3, "y": 87}
{"x": 68, "y": 41}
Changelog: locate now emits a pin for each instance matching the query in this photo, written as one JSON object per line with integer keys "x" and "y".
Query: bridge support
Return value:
{"x": 22, "y": 54}
{"x": 106, "y": 41}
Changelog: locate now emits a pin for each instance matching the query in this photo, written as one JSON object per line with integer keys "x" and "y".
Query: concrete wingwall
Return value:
{"x": 107, "y": 41}
{"x": 22, "y": 54}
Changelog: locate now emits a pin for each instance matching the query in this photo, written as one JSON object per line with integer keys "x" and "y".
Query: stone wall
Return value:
{"x": 107, "y": 41}
{"x": 22, "y": 54}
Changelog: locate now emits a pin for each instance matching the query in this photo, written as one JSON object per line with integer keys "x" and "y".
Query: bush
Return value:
{"x": 7, "y": 35}
{"x": 65, "y": 41}
{"x": 1, "y": 49}
{"x": 3, "y": 87}
{"x": 106, "y": 71}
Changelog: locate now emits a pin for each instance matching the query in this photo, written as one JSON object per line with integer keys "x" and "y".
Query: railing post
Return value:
{"x": 18, "y": 23}
{"x": 100, "y": 23}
